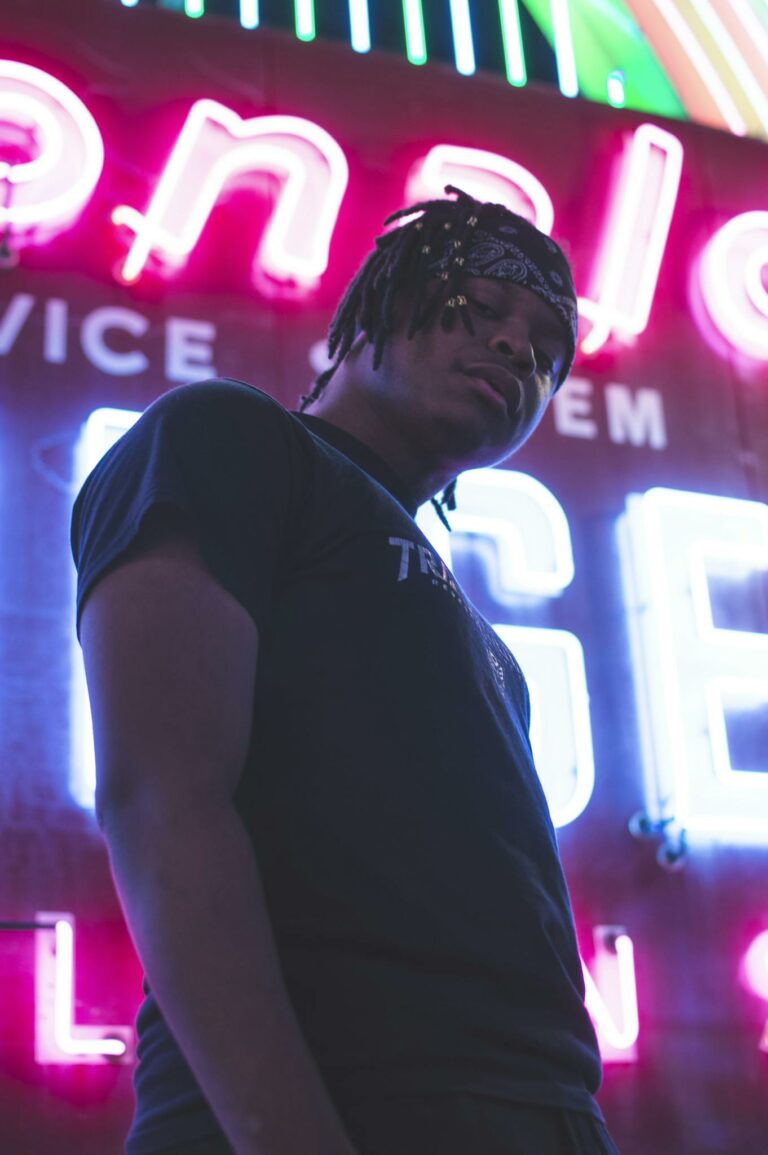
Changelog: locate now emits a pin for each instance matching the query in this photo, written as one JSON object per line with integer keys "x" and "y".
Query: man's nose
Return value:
{"x": 517, "y": 348}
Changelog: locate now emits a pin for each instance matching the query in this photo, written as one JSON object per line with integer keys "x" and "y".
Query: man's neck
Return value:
{"x": 386, "y": 439}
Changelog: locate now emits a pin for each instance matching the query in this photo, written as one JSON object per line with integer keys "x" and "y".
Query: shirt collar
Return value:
{"x": 358, "y": 452}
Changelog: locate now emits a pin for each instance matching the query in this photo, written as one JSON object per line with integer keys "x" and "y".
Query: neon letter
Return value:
{"x": 100, "y": 432}
{"x": 690, "y": 672}
{"x": 637, "y": 418}
{"x": 731, "y": 281}
{"x": 57, "y": 1040}
{"x": 635, "y": 238}
{"x": 216, "y": 145}
{"x": 755, "y": 975}
{"x": 18, "y": 309}
{"x": 55, "y": 331}
{"x": 486, "y": 176}
{"x": 756, "y": 965}
{"x": 572, "y": 409}
{"x": 43, "y": 120}
{"x": 611, "y": 996}
{"x": 96, "y": 324}
{"x": 553, "y": 664}
{"x": 519, "y": 531}
{"x": 188, "y": 349}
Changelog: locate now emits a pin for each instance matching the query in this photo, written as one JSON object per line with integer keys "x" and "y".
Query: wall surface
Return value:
{"x": 665, "y": 704}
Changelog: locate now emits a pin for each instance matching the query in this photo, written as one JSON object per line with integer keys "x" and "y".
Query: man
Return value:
{"x": 314, "y": 773}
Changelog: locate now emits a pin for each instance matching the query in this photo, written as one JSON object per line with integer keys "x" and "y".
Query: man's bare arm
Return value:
{"x": 170, "y": 660}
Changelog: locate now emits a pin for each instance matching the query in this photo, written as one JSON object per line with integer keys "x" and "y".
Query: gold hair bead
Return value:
{"x": 472, "y": 221}
{"x": 450, "y": 303}
{"x": 426, "y": 249}
{"x": 444, "y": 276}
{"x": 460, "y": 300}
{"x": 458, "y": 260}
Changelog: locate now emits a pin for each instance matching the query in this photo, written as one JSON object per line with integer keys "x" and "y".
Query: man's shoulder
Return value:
{"x": 219, "y": 428}
{"x": 217, "y": 395}
{"x": 222, "y": 411}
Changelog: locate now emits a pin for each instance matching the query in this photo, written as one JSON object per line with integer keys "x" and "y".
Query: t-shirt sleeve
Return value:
{"x": 223, "y": 453}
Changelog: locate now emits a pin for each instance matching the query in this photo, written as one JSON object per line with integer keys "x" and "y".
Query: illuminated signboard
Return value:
{"x": 205, "y": 224}
{"x": 215, "y": 145}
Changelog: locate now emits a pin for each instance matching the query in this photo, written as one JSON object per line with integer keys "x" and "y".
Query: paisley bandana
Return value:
{"x": 517, "y": 251}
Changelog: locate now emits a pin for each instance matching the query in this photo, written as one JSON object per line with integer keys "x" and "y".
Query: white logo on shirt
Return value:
{"x": 417, "y": 561}
{"x": 429, "y": 564}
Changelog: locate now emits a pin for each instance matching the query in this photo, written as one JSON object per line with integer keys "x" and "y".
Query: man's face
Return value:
{"x": 475, "y": 399}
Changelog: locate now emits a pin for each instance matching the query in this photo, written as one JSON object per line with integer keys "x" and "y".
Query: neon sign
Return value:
{"x": 216, "y": 146}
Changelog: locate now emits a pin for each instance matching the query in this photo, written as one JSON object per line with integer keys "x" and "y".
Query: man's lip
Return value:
{"x": 500, "y": 380}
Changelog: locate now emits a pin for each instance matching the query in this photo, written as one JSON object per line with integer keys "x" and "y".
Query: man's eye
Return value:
{"x": 544, "y": 361}
{"x": 482, "y": 308}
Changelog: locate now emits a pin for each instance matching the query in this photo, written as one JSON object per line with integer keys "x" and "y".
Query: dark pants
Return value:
{"x": 457, "y": 1125}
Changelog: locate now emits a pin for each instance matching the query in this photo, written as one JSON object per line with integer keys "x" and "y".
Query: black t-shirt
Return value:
{"x": 408, "y": 857}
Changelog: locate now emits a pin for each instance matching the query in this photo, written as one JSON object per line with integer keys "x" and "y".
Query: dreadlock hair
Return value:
{"x": 400, "y": 261}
